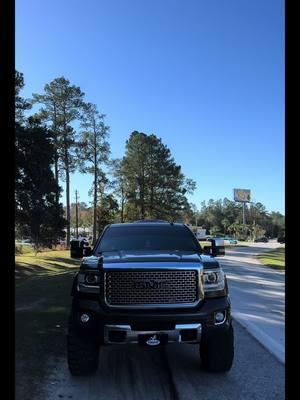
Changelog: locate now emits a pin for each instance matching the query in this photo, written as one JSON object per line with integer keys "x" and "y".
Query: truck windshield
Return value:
{"x": 147, "y": 238}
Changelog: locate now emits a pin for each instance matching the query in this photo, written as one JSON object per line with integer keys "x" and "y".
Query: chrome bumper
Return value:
{"x": 178, "y": 335}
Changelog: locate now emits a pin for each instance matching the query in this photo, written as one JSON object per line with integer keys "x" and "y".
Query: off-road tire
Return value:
{"x": 82, "y": 356}
{"x": 217, "y": 350}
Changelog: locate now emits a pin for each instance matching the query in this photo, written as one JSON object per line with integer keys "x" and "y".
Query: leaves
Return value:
{"x": 153, "y": 183}
{"x": 226, "y": 216}
{"x": 21, "y": 104}
{"x": 62, "y": 106}
{"x": 36, "y": 211}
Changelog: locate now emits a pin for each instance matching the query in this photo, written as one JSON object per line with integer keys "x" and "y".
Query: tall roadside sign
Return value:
{"x": 242, "y": 196}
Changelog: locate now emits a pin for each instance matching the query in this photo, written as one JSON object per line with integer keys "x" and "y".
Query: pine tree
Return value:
{"x": 93, "y": 151}
{"x": 154, "y": 184}
{"x": 36, "y": 211}
{"x": 62, "y": 106}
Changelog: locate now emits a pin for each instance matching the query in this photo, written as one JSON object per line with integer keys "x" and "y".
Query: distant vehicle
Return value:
{"x": 25, "y": 242}
{"x": 230, "y": 240}
{"x": 281, "y": 239}
{"x": 262, "y": 239}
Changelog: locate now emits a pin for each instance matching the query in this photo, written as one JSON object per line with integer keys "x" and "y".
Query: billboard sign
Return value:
{"x": 242, "y": 195}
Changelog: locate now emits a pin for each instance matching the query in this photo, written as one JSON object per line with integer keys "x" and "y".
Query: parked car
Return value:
{"x": 230, "y": 240}
{"x": 24, "y": 242}
{"x": 262, "y": 239}
{"x": 149, "y": 283}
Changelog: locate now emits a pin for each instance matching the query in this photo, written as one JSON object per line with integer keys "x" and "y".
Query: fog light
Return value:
{"x": 84, "y": 318}
{"x": 219, "y": 317}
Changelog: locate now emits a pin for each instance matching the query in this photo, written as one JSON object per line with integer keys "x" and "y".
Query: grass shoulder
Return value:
{"x": 42, "y": 296}
{"x": 274, "y": 258}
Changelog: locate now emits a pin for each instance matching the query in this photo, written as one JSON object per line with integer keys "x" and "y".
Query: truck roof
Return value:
{"x": 145, "y": 223}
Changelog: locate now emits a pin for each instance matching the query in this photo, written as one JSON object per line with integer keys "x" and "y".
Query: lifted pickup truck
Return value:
{"x": 149, "y": 283}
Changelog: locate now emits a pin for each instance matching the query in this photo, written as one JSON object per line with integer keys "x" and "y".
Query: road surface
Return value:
{"x": 257, "y": 294}
{"x": 173, "y": 373}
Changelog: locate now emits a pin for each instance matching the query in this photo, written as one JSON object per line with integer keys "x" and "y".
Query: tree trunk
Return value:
{"x": 95, "y": 208}
{"x": 142, "y": 195}
{"x": 95, "y": 188}
{"x": 122, "y": 204}
{"x": 142, "y": 204}
{"x": 151, "y": 184}
{"x": 68, "y": 197}
{"x": 56, "y": 157}
{"x": 56, "y": 177}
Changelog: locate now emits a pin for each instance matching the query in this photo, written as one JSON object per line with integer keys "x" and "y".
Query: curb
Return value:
{"x": 265, "y": 340}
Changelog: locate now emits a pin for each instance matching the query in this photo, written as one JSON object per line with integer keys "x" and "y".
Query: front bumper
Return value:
{"x": 183, "y": 333}
{"x": 147, "y": 321}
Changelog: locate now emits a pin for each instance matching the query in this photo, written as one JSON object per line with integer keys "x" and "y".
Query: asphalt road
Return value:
{"x": 257, "y": 294}
{"x": 174, "y": 372}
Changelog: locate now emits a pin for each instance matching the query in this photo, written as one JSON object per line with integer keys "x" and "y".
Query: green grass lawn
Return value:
{"x": 42, "y": 300}
{"x": 274, "y": 259}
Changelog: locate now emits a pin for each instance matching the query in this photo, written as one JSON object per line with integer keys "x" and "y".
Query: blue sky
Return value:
{"x": 207, "y": 76}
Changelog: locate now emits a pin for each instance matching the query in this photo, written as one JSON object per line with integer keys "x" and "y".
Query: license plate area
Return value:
{"x": 153, "y": 339}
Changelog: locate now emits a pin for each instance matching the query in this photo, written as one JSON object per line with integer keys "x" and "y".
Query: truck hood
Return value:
{"x": 161, "y": 257}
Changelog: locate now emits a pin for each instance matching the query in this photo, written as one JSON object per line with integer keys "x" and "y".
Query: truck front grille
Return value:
{"x": 151, "y": 288}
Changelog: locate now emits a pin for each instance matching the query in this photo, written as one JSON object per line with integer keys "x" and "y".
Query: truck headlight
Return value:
{"x": 214, "y": 282}
{"x": 88, "y": 282}
{"x": 91, "y": 279}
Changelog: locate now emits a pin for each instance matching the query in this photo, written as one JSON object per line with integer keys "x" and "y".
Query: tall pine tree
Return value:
{"x": 93, "y": 151}
{"x": 155, "y": 185}
{"x": 62, "y": 106}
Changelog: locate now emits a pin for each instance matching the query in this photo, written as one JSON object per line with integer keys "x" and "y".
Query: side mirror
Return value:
{"x": 217, "y": 248}
{"x": 87, "y": 251}
{"x": 78, "y": 249}
{"x": 207, "y": 250}
{"x": 76, "y": 253}
{"x": 219, "y": 251}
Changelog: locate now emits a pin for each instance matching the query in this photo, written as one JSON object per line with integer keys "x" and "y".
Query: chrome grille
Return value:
{"x": 150, "y": 288}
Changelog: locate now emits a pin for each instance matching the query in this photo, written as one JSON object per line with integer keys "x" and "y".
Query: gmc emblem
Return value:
{"x": 151, "y": 284}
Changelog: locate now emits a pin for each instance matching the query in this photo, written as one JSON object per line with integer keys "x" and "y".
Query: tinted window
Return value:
{"x": 148, "y": 238}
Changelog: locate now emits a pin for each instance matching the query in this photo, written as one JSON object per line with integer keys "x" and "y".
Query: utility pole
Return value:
{"x": 244, "y": 213}
{"x": 76, "y": 208}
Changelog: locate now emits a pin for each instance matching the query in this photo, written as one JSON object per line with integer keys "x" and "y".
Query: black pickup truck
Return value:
{"x": 149, "y": 283}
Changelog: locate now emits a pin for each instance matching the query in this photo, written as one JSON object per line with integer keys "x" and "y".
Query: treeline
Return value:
{"x": 65, "y": 134}
{"x": 218, "y": 217}
{"x": 226, "y": 217}
{"x": 68, "y": 134}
